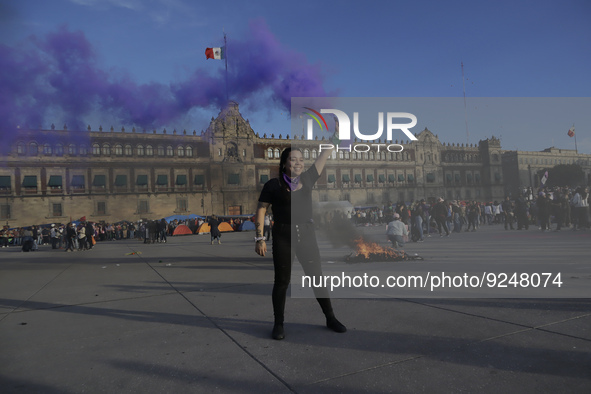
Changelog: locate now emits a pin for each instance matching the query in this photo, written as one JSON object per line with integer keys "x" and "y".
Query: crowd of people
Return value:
{"x": 545, "y": 209}
{"x": 82, "y": 235}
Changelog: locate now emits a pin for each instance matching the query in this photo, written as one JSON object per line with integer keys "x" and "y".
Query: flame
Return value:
{"x": 368, "y": 249}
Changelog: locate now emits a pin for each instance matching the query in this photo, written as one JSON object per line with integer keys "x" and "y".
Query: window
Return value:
{"x": 78, "y": 182}
{"x": 121, "y": 181}
{"x": 264, "y": 179}
{"x": 140, "y": 150}
{"x": 220, "y": 152}
{"x": 169, "y": 151}
{"x": 314, "y": 154}
{"x": 4, "y": 211}
{"x": 199, "y": 180}
{"x": 33, "y": 149}
{"x": 162, "y": 181}
{"x": 181, "y": 180}
{"x": 118, "y": 150}
{"x": 59, "y": 150}
{"x": 5, "y": 183}
{"x": 99, "y": 181}
{"x": 72, "y": 150}
{"x": 234, "y": 179}
{"x": 149, "y": 150}
{"x": 189, "y": 151}
{"x": 341, "y": 155}
{"x": 142, "y": 180}
{"x": 430, "y": 177}
{"x": 55, "y": 182}
{"x": 96, "y": 149}
{"x": 20, "y": 148}
{"x": 101, "y": 208}
{"x": 143, "y": 206}
{"x": 47, "y": 150}
{"x": 270, "y": 153}
{"x": 180, "y": 151}
{"x": 306, "y": 154}
{"x": 30, "y": 182}
{"x": 56, "y": 209}
{"x": 160, "y": 150}
{"x": 83, "y": 150}
{"x": 181, "y": 205}
{"x": 277, "y": 154}
{"x": 107, "y": 150}
{"x": 128, "y": 150}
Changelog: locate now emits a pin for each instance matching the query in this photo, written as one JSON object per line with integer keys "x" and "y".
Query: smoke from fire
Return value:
{"x": 60, "y": 74}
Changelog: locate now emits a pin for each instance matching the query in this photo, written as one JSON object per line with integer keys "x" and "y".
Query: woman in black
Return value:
{"x": 214, "y": 229}
{"x": 293, "y": 231}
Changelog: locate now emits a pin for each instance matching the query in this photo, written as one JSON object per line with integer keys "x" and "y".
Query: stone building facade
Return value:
{"x": 108, "y": 175}
{"x": 522, "y": 168}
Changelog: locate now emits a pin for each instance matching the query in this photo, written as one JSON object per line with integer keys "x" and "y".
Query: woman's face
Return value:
{"x": 295, "y": 164}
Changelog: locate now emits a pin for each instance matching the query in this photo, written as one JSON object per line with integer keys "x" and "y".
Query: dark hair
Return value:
{"x": 283, "y": 160}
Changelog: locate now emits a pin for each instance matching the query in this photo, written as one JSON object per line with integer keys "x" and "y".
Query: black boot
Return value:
{"x": 335, "y": 325}
{"x": 278, "y": 332}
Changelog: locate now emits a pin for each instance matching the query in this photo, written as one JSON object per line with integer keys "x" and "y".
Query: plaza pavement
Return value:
{"x": 190, "y": 317}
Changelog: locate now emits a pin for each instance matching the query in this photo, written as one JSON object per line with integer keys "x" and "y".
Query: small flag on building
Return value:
{"x": 545, "y": 178}
{"x": 214, "y": 53}
{"x": 571, "y": 132}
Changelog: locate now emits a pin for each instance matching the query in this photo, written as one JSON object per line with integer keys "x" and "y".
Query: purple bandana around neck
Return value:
{"x": 291, "y": 182}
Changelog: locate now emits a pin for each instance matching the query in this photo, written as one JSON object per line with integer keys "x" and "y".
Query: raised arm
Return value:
{"x": 323, "y": 156}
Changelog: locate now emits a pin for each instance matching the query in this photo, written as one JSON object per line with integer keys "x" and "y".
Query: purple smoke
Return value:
{"x": 59, "y": 74}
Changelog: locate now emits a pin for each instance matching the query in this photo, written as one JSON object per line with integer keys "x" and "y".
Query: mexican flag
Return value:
{"x": 214, "y": 53}
{"x": 571, "y": 132}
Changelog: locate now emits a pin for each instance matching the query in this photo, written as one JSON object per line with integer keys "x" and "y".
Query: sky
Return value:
{"x": 141, "y": 63}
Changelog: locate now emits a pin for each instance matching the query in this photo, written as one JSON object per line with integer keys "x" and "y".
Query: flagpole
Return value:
{"x": 465, "y": 108}
{"x": 226, "y": 60}
{"x": 576, "y": 150}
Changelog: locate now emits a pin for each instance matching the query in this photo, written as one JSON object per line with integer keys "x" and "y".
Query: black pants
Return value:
{"x": 441, "y": 222}
{"x": 290, "y": 241}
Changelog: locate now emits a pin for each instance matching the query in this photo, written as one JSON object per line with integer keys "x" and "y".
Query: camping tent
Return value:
{"x": 203, "y": 229}
{"x": 182, "y": 230}
{"x": 223, "y": 227}
{"x": 247, "y": 226}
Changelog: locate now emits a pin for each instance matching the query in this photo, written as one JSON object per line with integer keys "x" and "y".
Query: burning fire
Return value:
{"x": 372, "y": 251}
